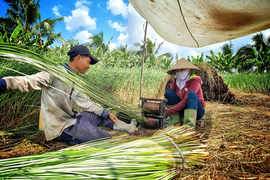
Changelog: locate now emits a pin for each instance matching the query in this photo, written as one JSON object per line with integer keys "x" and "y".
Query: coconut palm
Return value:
{"x": 151, "y": 52}
{"x": 26, "y": 13}
{"x": 164, "y": 61}
{"x": 7, "y": 25}
{"x": 255, "y": 54}
{"x": 45, "y": 28}
{"x": 227, "y": 48}
{"x": 150, "y": 47}
{"x": 98, "y": 45}
{"x": 245, "y": 57}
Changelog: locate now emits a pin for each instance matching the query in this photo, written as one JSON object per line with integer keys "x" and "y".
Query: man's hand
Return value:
{"x": 166, "y": 115}
{"x": 113, "y": 117}
{"x": 3, "y": 86}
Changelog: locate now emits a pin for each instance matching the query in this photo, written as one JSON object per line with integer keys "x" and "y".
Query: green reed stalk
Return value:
{"x": 150, "y": 158}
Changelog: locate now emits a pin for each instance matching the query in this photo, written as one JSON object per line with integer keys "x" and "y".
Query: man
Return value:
{"x": 60, "y": 121}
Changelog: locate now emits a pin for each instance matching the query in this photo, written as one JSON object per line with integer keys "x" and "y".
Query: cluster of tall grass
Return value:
{"x": 18, "y": 110}
{"x": 125, "y": 82}
{"x": 250, "y": 83}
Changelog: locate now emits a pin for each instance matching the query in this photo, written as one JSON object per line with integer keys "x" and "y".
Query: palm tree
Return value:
{"x": 244, "y": 59}
{"x": 98, "y": 44}
{"x": 44, "y": 29}
{"x": 26, "y": 13}
{"x": 150, "y": 47}
{"x": 165, "y": 61}
{"x": 7, "y": 25}
{"x": 227, "y": 48}
{"x": 151, "y": 51}
{"x": 256, "y": 54}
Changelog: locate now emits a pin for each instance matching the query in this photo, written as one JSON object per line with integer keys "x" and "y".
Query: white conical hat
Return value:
{"x": 183, "y": 64}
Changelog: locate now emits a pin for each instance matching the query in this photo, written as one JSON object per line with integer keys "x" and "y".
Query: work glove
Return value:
{"x": 3, "y": 86}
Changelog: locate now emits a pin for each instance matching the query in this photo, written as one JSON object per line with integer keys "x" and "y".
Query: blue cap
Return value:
{"x": 83, "y": 51}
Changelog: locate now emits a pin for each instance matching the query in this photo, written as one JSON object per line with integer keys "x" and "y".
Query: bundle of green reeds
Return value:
{"x": 162, "y": 156}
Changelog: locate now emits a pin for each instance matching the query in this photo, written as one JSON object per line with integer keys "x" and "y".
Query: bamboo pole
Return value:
{"x": 143, "y": 59}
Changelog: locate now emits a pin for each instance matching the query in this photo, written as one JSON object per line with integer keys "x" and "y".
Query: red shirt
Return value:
{"x": 193, "y": 84}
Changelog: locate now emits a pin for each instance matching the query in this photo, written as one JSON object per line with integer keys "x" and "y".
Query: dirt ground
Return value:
{"x": 237, "y": 137}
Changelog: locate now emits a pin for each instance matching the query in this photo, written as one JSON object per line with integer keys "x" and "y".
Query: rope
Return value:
{"x": 186, "y": 23}
{"x": 182, "y": 156}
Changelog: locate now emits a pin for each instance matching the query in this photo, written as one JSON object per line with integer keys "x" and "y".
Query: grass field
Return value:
{"x": 250, "y": 83}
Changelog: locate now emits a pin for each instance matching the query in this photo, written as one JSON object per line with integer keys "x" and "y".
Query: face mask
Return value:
{"x": 182, "y": 75}
{"x": 181, "y": 78}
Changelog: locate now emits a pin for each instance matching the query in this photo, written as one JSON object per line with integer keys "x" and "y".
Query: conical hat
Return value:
{"x": 183, "y": 64}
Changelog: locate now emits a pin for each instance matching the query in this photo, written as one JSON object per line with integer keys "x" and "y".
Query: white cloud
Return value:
{"x": 83, "y": 36}
{"x": 82, "y": 3}
{"x": 56, "y": 10}
{"x": 122, "y": 38}
{"x": 80, "y": 17}
{"x": 117, "y": 26}
{"x": 98, "y": 5}
{"x": 134, "y": 26}
{"x": 118, "y": 7}
{"x": 112, "y": 46}
{"x": 267, "y": 33}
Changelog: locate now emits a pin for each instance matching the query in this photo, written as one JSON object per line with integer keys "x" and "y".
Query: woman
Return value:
{"x": 185, "y": 97}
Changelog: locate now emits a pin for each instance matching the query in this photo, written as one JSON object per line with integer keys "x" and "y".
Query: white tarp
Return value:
{"x": 197, "y": 23}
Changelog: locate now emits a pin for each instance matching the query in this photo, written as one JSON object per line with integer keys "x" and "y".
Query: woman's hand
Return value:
{"x": 113, "y": 117}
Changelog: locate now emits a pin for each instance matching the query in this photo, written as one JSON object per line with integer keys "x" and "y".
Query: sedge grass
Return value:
{"x": 250, "y": 83}
{"x": 149, "y": 158}
{"x": 125, "y": 83}
{"x": 19, "y": 109}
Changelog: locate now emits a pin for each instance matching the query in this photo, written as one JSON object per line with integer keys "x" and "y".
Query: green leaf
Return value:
{"x": 15, "y": 32}
{"x": 31, "y": 42}
{"x": 5, "y": 38}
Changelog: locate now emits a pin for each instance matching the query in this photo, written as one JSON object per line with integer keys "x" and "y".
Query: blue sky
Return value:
{"x": 117, "y": 19}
